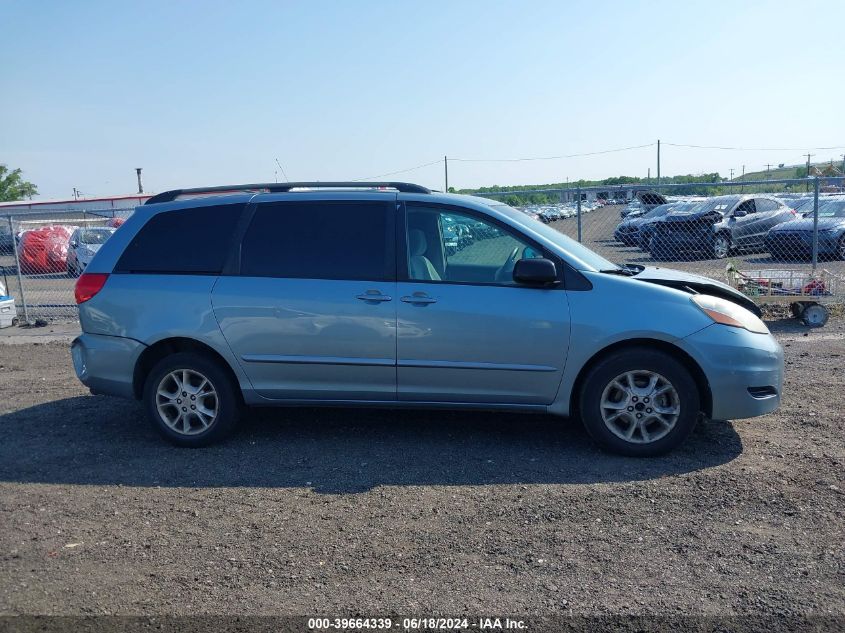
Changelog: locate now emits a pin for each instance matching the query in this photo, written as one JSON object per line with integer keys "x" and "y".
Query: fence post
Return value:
{"x": 18, "y": 266}
{"x": 815, "y": 223}
{"x": 578, "y": 194}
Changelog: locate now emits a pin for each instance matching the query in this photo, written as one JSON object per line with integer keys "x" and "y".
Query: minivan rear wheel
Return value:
{"x": 639, "y": 402}
{"x": 190, "y": 400}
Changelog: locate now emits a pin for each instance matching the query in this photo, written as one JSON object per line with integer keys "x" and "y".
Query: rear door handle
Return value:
{"x": 374, "y": 295}
{"x": 418, "y": 298}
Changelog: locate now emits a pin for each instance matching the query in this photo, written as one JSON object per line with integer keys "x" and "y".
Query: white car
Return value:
{"x": 84, "y": 244}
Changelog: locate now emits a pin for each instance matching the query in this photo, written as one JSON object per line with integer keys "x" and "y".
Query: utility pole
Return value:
{"x": 140, "y": 185}
{"x": 843, "y": 163}
{"x": 732, "y": 174}
{"x": 658, "y": 162}
{"x": 808, "y": 171}
{"x": 742, "y": 188}
{"x": 75, "y": 193}
{"x": 648, "y": 180}
{"x": 446, "y": 173}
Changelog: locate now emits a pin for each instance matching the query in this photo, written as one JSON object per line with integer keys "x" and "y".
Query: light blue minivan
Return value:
{"x": 209, "y": 301}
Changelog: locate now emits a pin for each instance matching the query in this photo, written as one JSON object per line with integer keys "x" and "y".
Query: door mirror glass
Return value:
{"x": 740, "y": 213}
{"x": 535, "y": 271}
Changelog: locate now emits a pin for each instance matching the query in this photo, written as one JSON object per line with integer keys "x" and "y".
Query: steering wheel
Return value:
{"x": 505, "y": 273}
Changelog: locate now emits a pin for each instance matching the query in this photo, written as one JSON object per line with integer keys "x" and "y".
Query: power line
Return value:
{"x": 400, "y": 171}
{"x": 755, "y": 149}
{"x": 518, "y": 160}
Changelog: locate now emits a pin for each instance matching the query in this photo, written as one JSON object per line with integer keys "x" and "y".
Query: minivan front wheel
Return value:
{"x": 639, "y": 402}
{"x": 190, "y": 400}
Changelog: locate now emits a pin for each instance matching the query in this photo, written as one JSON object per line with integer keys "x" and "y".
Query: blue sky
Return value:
{"x": 209, "y": 92}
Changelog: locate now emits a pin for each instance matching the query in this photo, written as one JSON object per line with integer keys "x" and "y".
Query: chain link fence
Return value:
{"x": 43, "y": 252}
{"x": 778, "y": 241}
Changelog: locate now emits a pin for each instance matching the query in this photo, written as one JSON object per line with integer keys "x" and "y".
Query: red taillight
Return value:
{"x": 88, "y": 285}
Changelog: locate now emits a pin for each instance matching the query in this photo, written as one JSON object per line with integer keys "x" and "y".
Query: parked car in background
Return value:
{"x": 549, "y": 214}
{"x": 7, "y": 240}
{"x": 648, "y": 226}
{"x": 44, "y": 250}
{"x": 630, "y": 230}
{"x": 719, "y": 226}
{"x": 84, "y": 244}
{"x": 527, "y": 320}
{"x": 643, "y": 202}
{"x": 795, "y": 238}
{"x": 456, "y": 235}
{"x": 799, "y": 204}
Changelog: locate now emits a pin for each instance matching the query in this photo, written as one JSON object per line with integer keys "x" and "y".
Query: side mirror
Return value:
{"x": 534, "y": 271}
{"x": 739, "y": 213}
{"x": 74, "y": 243}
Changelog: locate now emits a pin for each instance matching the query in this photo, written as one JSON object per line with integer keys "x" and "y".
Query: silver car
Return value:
{"x": 84, "y": 244}
{"x": 345, "y": 294}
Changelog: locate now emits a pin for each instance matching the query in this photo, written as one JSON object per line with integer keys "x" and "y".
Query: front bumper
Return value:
{"x": 744, "y": 370}
{"x": 683, "y": 241}
{"x": 801, "y": 244}
{"x": 106, "y": 364}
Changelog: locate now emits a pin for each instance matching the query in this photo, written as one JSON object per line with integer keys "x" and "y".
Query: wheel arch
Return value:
{"x": 674, "y": 351}
{"x": 165, "y": 347}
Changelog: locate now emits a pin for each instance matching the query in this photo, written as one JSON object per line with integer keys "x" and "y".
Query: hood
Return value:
{"x": 697, "y": 284}
{"x": 651, "y": 198}
{"x": 806, "y": 224}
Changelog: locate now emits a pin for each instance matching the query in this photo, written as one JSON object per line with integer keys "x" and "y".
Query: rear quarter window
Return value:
{"x": 184, "y": 241}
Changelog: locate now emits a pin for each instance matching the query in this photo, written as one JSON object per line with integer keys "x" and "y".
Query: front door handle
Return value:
{"x": 374, "y": 295}
{"x": 418, "y": 298}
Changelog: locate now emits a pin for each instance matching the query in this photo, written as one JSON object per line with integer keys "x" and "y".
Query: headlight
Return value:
{"x": 729, "y": 313}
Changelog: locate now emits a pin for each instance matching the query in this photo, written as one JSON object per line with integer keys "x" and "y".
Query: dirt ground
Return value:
{"x": 372, "y": 512}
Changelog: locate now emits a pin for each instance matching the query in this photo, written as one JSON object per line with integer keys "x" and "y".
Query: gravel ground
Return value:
{"x": 336, "y": 511}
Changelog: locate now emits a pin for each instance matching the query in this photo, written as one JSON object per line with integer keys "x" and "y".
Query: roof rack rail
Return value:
{"x": 281, "y": 187}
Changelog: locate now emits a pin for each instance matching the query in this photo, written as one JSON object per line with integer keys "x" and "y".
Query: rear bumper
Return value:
{"x": 106, "y": 364}
{"x": 744, "y": 370}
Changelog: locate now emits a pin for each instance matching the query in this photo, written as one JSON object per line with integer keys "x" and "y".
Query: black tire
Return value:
{"x": 841, "y": 248}
{"x": 815, "y": 315}
{"x": 227, "y": 402}
{"x": 796, "y": 309}
{"x": 637, "y": 359}
{"x": 717, "y": 252}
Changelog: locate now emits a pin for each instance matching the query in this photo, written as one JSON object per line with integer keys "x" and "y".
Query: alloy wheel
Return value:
{"x": 721, "y": 246}
{"x": 187, "y": 401}
{"x": 640, "y": 406}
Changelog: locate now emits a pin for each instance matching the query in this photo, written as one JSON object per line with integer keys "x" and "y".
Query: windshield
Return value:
{"x": 95, "y": 236}
{"x": 832, "y": 209}
{"x": 799, "y": 204}
{"x": 662, "y": 210}
{"x": 720, "y": 204}
{"x": 592, "y": 260}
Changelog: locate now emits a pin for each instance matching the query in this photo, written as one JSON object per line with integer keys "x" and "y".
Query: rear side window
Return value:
{"x": 321, "y": 240}
{"x": 189, "y": 241}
